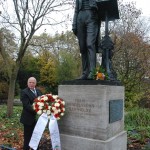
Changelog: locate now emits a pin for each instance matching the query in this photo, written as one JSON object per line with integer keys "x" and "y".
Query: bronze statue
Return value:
{"x": 86, "y": 26}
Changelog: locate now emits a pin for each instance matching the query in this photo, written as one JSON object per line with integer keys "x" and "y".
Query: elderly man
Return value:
{"x": 28, "y": 116}
{"x": 86, "y": 25}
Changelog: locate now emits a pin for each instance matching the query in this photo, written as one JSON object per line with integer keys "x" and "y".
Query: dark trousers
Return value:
{"x": 28, "y": 130}
{"x": 87, "y": 32}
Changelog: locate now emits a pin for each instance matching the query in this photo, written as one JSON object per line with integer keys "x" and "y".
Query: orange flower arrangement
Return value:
{"x": 99, "y": 74}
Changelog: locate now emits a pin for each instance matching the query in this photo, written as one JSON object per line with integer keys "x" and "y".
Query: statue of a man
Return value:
{"x": 86, "y": 26}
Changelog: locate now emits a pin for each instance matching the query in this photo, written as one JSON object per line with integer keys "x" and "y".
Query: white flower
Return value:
{"x": 62, "y": 114}
{"x": 55, "y": 96}
{"x": 49, "y": 107}
{"x": 39, "y": 98}
{"x": 56, "y": 101}
{"x": 34, "y": 106}
{"x": 39, "y": 112}
{"x": 57, "y": 104}
{"x": 53, "y": 108}
{"x": 63, "y": 109}
{"x": 56, "y": 112}
{"x": 40, "y": 107}
{"x": 63, "y": 102}
{"x": 44, "y": 111}
{"x": 41, "y": 104}
{"x": 48, "y": 112}
{"x": 45, "y": 98}
{"x": 38, "y": 103}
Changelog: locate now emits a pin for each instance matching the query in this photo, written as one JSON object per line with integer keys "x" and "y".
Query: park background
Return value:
{"x": 48, "y": 50}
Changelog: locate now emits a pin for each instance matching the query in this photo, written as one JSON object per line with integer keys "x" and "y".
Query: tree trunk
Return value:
{"x": 11, "y": 92}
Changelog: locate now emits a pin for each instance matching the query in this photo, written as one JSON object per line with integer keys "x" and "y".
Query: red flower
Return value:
{"x": 57, "y": 115}
{"x": 46, "y": 106}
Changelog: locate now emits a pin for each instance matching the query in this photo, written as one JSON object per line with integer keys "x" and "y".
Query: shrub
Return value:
{"x": 138, "y": 117}
{"x": 3, "y": 92}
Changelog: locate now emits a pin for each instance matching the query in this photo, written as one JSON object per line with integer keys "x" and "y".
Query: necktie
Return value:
{"x": 34, "y": 91}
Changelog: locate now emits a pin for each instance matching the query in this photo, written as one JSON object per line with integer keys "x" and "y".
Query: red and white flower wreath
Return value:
{"x": 49, "y": 104}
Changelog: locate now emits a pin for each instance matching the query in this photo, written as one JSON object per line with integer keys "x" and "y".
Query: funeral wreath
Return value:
{"x": 49, "y": 104}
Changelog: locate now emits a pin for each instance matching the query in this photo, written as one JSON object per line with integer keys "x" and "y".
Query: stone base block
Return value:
{"x": 92, "y": 111}
{"x": 117, "y": 142}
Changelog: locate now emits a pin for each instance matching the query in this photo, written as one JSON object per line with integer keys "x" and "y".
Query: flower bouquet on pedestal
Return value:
{"x": 99, "y": 74}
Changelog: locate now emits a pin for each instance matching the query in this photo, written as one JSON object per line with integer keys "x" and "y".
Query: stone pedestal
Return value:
{"x": 94, "y": 118}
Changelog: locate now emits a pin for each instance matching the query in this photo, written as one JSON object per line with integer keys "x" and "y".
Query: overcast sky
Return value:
{"x": 144, "y": 5}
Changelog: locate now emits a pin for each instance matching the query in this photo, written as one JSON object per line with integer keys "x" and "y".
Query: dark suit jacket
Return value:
{"x": 28, "y": 115}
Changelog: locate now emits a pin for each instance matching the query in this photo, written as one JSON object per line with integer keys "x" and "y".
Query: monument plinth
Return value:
{"x": 94, "y": 118}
